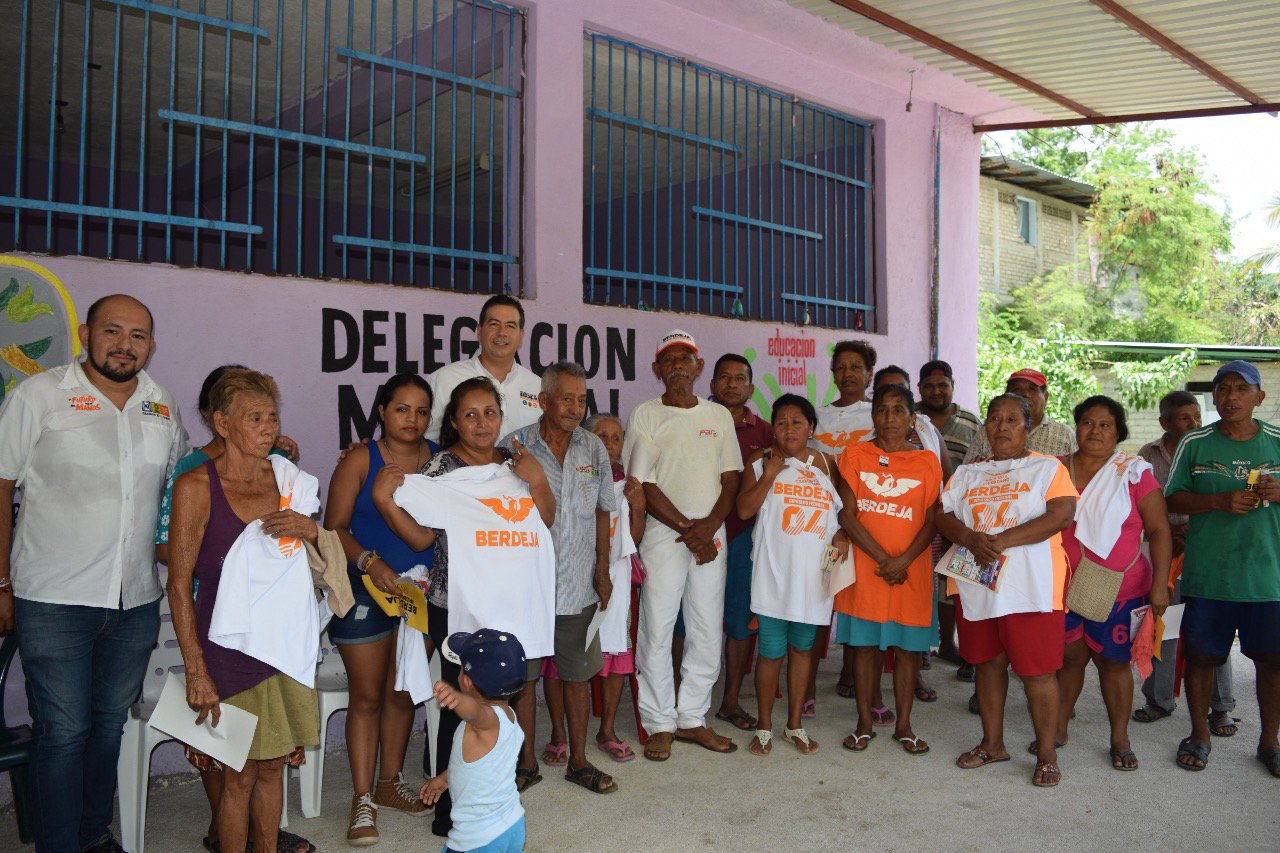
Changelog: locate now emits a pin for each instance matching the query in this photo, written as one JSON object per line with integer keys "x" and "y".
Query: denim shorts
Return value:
{"x": 365, "y": 622}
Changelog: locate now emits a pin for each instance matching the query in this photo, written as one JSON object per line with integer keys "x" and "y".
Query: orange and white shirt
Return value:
{"x": 502, "y": 564}
{"x": 894, "y": 492}
{"x": 793, "y": 528}
{"x": 992, "y": 496}
{"x": 840, "y": 426}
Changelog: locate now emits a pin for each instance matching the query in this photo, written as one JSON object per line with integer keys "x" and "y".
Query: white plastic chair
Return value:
{"x": 332, "y": 697}
{"x": 133, "y": 769}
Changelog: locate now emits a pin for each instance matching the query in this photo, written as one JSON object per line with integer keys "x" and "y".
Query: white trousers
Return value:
{"x": 672, "y": 578}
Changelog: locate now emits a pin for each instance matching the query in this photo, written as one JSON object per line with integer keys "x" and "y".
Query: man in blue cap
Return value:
{"x": 1223, "y": 477}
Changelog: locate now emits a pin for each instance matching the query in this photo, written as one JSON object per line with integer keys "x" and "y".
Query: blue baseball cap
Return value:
{"x": 1244, "y": 369}
{"x": 493, "y": 659}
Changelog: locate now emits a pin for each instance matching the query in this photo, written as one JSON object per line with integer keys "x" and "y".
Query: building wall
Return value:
{"x": 1005, "y": 260}
{"x": 330, "y": 344}
{"x": 1144, "y": 426}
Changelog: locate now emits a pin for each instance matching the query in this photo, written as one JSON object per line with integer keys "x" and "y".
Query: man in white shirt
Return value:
{"x": 500, "y": 332}
{"x": 90, "y": 445}
{"x": 689, "y": 492}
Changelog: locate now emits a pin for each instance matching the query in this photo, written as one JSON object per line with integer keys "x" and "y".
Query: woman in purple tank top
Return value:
{"x": 212, "y": 505}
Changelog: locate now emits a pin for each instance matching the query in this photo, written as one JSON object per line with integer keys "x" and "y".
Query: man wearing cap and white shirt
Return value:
{"x": 689, "y": 494}
{"x": 90, "y": 444}
{"x": 500, "y": 332}
{"x": 1223, "y": 477}
{"x": 1046, "y": 436}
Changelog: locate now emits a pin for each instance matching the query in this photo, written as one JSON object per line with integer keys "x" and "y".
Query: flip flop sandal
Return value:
{"x": 844, "y": 691}
{"x": 764, "y": 737}
{"x": 1046, "y": 775}
{"x": 555, "y": 754}
{"x": 1270, "y": 758}
{"x": 733, "y": 747}
{"x": 912, "y": 745}
{"x": 926, "y": 694}
{"x": 618, "y": 750}
{"x": 800, "y": 738}
{"x": 529, "y": 775}
{"x": 1223, "y": 722}
{"x": 739, "y": 720}
{"x": 1151, "y": 713}
{"x": 860, "y": 742}
{"x": 882, "y": 717}
{"x": 984, "y": 758}
{"x": 1187, "y": 748}
{"x": 653, "y": 751}
{"x": 591, "y": 778}
{"x": 1117, "y": 760}
{"x": 1033, "y": 747}
{"x": 809, "y": 710}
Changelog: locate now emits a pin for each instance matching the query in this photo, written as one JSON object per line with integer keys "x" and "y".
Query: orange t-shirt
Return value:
{"x": 894, "y": 491}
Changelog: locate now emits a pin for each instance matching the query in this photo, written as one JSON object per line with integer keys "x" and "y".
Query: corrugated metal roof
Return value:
{"x": 1081, "y": 52}
{"x": 1041, "y": 180}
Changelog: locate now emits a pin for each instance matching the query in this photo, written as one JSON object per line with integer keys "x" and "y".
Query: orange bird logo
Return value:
{"x": 509, "y": 509}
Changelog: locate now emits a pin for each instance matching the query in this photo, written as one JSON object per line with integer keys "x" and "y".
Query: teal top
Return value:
{"x": 1229, "y": 557}
{"x": 191, "y": 461}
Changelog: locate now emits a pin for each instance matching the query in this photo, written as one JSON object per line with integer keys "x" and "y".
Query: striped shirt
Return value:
{"x": 582, "y": 485}
{"x": 961, "y": 428}
{"x": 1161, "y": 463}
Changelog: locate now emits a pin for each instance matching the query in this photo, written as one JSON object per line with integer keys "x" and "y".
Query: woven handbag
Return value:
{"x": 1093, "y": 589}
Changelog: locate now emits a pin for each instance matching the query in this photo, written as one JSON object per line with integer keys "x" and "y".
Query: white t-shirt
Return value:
{"x": 997, "y": 495}
{"x": 266, "y": 605}
{"x": 796, "y": 522}
{"x": 502, "y": 564}
{"x": 613, "y": 630}
{"x": 695, "y": 446}
{"x": 91, "y": 477}
{"x": 839, "y": 426}
{"x": 519, "y": 393}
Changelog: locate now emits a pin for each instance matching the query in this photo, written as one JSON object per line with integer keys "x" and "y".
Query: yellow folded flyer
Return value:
{"x": 409, "y": 601}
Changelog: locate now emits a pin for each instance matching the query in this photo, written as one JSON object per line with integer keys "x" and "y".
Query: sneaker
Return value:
{"x": 399, "y": 795}
{"x": 363, "y": 831}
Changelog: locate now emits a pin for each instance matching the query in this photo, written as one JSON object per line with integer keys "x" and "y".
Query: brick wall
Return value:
{"x": 1144, "y": 426}
{"x": 1005, "y": 260}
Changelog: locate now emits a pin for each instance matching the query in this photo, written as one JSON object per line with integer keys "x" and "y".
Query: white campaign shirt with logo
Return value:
{"x": 695, "y": 446}
{"x": 502, "y": 563}
{"x": 519, "y": 393}
{"x": 993, "y": 496}
{"x": 793, "y": 528}
{"x": 266, "y": 605}
{"x": 613, "y": 630}
{"x": 92, "y": 477}
{"x": 838, "y": 426}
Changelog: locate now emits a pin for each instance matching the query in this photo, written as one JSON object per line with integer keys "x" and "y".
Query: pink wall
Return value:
{"x": 206, "y": 318}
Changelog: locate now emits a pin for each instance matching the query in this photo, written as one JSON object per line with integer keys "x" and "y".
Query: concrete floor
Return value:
{"x": 881, "y": 799}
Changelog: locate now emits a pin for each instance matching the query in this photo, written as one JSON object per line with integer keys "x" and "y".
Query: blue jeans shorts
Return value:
{"x": 1210, "y": 626}
{"x": 365, "y": 622}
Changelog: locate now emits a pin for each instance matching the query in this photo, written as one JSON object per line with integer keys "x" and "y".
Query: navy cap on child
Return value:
{"x": 493, "y": 659}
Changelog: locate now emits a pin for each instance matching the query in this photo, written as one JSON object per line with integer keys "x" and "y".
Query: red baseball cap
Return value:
{"x": 1030, "y": 374}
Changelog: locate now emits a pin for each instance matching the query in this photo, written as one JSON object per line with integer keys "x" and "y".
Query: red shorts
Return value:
{"x": 1033, "y": 641}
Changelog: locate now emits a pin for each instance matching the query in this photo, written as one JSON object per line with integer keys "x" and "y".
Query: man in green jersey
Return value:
{"x": 1223, "y": 477}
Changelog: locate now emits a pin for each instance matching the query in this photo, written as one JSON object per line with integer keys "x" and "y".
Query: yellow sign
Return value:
{"x": 409, "y": 601}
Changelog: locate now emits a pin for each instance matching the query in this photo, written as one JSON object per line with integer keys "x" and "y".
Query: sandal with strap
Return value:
{"x": 858, "y": 743}
{"x": 1046, "y": 775}
{"x": 618, "y": 750}
{"x": 1222, "y": 724}
{"x": 809, "y": 709}
{"x": 800, "y": 738}
{"x": 529, "y": 776}
{"x": 591, "y": 778}
{"x": 882, "y": 717}
{"x": 1187, "y": 748}
{"x": 555, "y": 754}
{"x": 913, "y": 745}
{"x": 287, "y": 842}
{"x": 1151, "y": 713}
{"x": 764, "y": 739}
{"x": 739, "y": 719}
{"x": 983, "y": 758}
{"x": 1119, "y": 760}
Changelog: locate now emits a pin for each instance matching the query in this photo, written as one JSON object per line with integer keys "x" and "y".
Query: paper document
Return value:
{"x": 836, "y": 573}
{"x": 593, "y": 627}
{"x": 229, "y": 742}
{"x": 410, "y": 602}
{"x": 644, "y": 459}
{"x": 1172, "y": 620}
